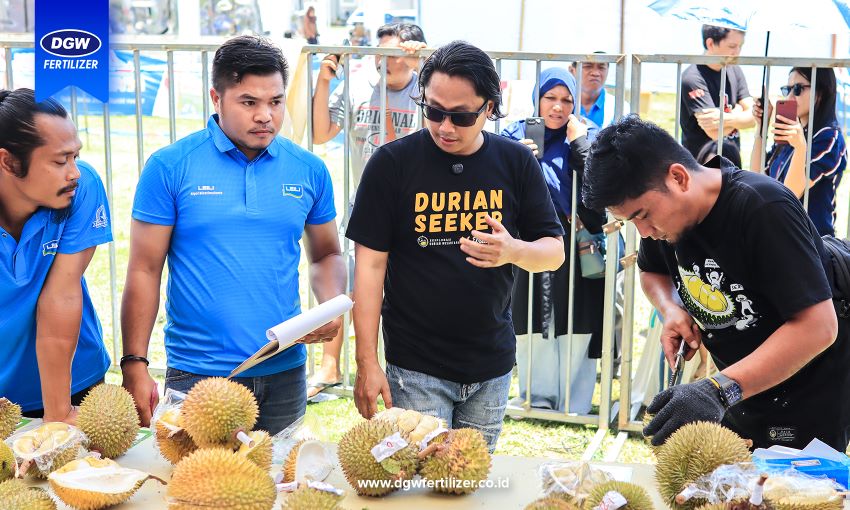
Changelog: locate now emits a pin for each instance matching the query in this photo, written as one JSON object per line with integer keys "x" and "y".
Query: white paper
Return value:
{"x": 388, "y": 446}
{"x": 305, "y": 322}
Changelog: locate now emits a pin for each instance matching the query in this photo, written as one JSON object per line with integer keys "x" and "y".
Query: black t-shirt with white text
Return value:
{"x": 441, "y": 315}
{"x": 752, "y": 264}
{"x": 701, "y": 89}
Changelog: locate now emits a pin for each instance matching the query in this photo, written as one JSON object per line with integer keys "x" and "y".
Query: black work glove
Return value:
{"x": 680, "y": 405}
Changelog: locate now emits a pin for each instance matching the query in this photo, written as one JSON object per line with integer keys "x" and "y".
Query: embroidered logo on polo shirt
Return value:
{"x": 100, "y": 220}
{"x": 205, "y": 190}
{"x": 49, "y": 248}
{"x": 293, "y": 190}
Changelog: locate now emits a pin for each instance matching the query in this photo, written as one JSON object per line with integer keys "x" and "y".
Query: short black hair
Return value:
{"x": 246, "y": 54}
{"x": 715, "y": 33}
{"x": 824, "y": 114}
{"x": 629, "y": 158}
{"x": 463, "y": 60}
{"x": 404, "y": 31}
{"x": 730, "y": 152}
{"x": 18, "y": 133}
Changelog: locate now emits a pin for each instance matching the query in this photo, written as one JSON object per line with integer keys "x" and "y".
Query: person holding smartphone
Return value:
{"x": 786, "y": 160}
{"x": 562, "y": 156}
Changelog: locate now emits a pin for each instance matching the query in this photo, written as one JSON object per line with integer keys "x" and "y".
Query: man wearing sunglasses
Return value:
{"x": 440, "y": 217}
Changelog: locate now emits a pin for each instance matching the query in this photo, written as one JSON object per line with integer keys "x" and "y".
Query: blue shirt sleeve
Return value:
{"x": 323, "y": 209}
{"x": 829, "y": 154}
{"x": 155, "y": 201}
{"x": 89, "y": 222}
{"x": 514, "y": 130}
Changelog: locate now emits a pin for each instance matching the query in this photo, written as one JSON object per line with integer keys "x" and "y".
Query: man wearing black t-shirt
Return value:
{"x": 729, "y": 258}
{"x": 700, "y": 119}
{"x": 440, "y": 217}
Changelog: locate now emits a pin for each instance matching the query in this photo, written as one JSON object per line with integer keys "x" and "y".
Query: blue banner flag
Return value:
{"x": 71, "y": 47}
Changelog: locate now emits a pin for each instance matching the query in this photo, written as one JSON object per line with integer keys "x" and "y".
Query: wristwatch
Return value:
{"x": 729, "y": 389}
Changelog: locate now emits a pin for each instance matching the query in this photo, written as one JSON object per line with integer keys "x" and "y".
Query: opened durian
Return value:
{"x": 259, "y": 451}
{"x": 359, "y": 465}
{"x": 47, "y": 448}
{"x": 215, "y": 409}
{"x": 462, "y": 457}
{"x": 306, "y": 498}
{"x": 172, "y": 439}
{"x": 553, "y": 502}
{"x": 577, "y": 478}
{"x": 308, "y": 460}
{"x": 415, "y": 425}
{"x": 16, "y": 495}
{"x": 791, "y": 493}
{"x": 636, "y": 496}
{"x": 220, "y": 478}
{"x": 10, "y": 416}
{"x": 108, "y": 418}
{"x": 7, "y": 462}
{"x": 692, "y": 451}
{"x": 92, "y": 484}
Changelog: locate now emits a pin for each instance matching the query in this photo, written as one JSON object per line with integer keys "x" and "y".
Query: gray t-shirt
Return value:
{"x": 365, "y": 133}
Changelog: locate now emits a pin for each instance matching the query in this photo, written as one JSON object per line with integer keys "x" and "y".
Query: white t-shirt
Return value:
{"x": 365, "y": 133}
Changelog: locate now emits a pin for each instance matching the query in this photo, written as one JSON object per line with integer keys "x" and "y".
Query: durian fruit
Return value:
{"x": 308, "y": 460}
{"x": 92, "y": 484}
{"x": 635, "y": 495}
{"x": 358, "y": 463}
{"x": 10, "y": 416}
{"x": 261, "y": 451}
{"x": 7, "y": 462}
{"x": 715, "y": 506}
{"x": 220, "y": 478}
{"x": 413, "y": 424}
{"x": 553, "y": 502}
{"x": 695, "y": 450}
{"x": 52, "y": 445}
{"x": 786, "y": 493}
{"x": 16, "y": 495}
{"x": 109, "y": 419}
{"x": 306, "y": 498}
{"x": 463, "y": 455}
{"x": 172, "y": 439}
{"x": 215, "y": 409}
{"x": 825, "y": 501}
{"x": 577, "y": 477}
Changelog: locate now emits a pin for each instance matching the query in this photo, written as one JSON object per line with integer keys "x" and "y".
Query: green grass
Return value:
{"x": 328, "y": 420}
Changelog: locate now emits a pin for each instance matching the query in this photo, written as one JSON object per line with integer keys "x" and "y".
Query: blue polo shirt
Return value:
{"x": 25, "y": 265}
{"x": 597, "y": 111}
{"x": 234, "y": 253}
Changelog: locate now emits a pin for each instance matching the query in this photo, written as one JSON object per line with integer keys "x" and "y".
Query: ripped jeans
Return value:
{"x": 479, "y": 406}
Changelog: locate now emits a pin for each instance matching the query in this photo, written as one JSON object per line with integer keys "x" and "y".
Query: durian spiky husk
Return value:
{"x": 291, "y": 462}
{"x": 835, "y": 502}
{"x": 92, "y": 484}
{"x": 463, "y": 455}
{"x": 357, "y": 462}
{"x": 307, "y": 461}
{"x": 261, "y": 453}
{"x": 636, "y": 496}
{"x": 15, "y": 495}
{"x": 692, "y": 451}
{"x": 306, "y": 498}
{"x": 716, "y": 506}
{"x": 7, "y": 462}
{"x": 112, "y": 437}
{"x": 222, "y": 479}
{"x": 52, "y": 445}
{"x": 172, "y": 439}
{"x": 10, "y": 416}
{"x": 215, "y": 409}
{"x": 553, "y": 502}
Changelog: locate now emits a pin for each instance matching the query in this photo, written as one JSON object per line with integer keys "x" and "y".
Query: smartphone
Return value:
{"x": 788, "y": 109}
{"x": 535, "y": 129}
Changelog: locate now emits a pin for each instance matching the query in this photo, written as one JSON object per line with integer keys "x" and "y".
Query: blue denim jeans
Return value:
{"x": 282, "y": 397}
{"x": 478, "y": 405}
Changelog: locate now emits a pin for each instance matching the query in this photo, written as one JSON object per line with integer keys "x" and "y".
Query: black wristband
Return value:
{"x": 133, "y": 357}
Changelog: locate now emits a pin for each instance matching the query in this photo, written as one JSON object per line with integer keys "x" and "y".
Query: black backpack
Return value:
{"x": 838, "y": 273}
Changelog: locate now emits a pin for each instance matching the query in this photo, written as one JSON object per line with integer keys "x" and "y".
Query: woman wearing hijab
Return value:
{"x": 565, "y": 148}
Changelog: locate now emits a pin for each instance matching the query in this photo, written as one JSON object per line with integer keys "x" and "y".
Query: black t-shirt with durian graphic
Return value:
{"x": 753, "y": 263}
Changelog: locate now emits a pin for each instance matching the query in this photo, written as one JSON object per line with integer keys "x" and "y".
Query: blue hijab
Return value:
{"x": 556, "y": 154}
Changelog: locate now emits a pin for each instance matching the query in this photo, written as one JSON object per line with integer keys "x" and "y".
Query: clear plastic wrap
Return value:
{"x": 48, "y": 447}
{"x": 165, "y": 418}
{"x": 576, "y": 478}
{"x": 286, "y": 439}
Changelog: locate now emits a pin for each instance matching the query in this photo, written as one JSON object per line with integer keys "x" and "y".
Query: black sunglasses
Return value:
{"x": 797, "y": 88}
{"x": 459, "y": 119}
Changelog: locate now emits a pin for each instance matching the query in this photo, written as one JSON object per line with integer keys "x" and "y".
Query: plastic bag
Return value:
{"x": 576, "y": 478}
{"x": 46, "y": 443}
{"x": 163, "y": 420}
{"x": 319, "y": 461}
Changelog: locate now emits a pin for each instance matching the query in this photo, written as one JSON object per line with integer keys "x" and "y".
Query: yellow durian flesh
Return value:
{"x": 48, "y": 447}
{"x": 92, "y": 484}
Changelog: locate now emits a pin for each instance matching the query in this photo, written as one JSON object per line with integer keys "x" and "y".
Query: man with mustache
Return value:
{"x": 53, "y": 214}
{"x": 227, "y": 206}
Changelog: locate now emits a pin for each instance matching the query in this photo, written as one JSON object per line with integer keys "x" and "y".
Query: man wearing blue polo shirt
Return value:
{"x": 227, "y": 206}
{"x": 53, "y": 214}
